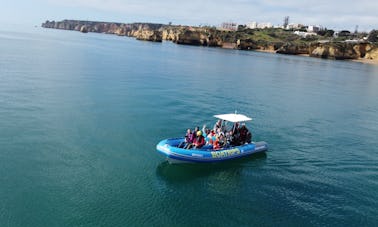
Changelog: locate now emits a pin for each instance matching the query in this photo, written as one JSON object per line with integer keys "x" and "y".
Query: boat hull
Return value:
{"x": 174, "y": 154}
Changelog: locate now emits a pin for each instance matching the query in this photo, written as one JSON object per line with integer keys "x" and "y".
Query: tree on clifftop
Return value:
{"x": 325, "y": 32}
{"x": 373, "y": 36}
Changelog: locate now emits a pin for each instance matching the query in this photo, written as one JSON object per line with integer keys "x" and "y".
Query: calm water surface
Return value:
{"x": 80, "y": 115}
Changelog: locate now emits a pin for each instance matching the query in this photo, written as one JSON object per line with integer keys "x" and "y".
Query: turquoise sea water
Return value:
{"x": 80, "y": 115}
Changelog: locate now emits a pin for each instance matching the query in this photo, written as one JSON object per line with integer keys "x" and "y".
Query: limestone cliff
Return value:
{"x": 142, "y": 31}
{"x": 372, "y": 54}
{"x": 293, "y": 48}
{"x": 246, "y": 44}
{"x": 279, "y": 41}
{"x": 340, "y": 50}
{"x": 189, "y": 37}
{"x": 329, "y": 50}
{"x": 148, "y": 35}
{"x": 171, "y": 33}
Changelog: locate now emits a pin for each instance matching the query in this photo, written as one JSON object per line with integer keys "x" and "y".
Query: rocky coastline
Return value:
{"x": 361, "y": 51}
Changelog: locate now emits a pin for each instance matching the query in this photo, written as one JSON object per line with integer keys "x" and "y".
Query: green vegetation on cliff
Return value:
{"x": 323, "y": 44}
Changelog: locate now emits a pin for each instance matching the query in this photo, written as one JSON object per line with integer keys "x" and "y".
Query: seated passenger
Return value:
{"x": 249, "y": 137}
{"x": 233, "y": 139}
{"x": 199, "y": 141}
{"x": 188, "y": 139}
{"x": 210, "y": 137}
{"x": 244, "y": 137}
{"x": 220, "y": 142}
{"x": 235, "y": 128}
{"x": 216, "y": 145}
{"x": 192, "y": 137}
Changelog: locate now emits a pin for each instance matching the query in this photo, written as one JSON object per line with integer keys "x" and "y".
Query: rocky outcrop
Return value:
{"x": 141, "y": 31}
{"x": 328, "y": 50}
{"x": 372, "y": 54}
{"x": 148, "y": 35}
{"x": 171, "y": 33}
{"x": 246, "y": 44}
{"x": 293, "y": 48}
{"x": 191, "y": 38}
{"x": 84, "y": 29}
{"x": 250, "y": 44}
{"x": 194, "y": 37}
{"x": 340, "y": 50}
{"x": 198, "y": 37}
{"x": 214, "y": 41}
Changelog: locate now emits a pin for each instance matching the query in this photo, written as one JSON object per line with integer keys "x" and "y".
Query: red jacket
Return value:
{"x": 199, "y": 141}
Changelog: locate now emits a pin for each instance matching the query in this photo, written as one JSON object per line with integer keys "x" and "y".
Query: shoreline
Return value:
{"x": 360, "y": 60}
{"x": 362, "y": 52}
{"x": 366, "y": 61}
{"x": 266, "y": 51}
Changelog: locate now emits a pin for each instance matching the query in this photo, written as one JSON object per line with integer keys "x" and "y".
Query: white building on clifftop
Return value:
{"x": 230, "y": 26}
{"x": 255, "y": 25}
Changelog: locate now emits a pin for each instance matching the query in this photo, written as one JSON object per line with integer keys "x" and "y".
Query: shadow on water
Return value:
{"x": 187, "y": 172}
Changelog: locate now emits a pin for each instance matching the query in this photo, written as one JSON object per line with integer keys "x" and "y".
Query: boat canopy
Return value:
{"x": 233, "y": 117}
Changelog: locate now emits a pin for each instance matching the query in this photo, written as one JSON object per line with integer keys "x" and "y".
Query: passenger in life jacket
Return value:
{"x": 199, "y": 141}
{"x": 220, "y": 142}
{"x": 216, "y": 145}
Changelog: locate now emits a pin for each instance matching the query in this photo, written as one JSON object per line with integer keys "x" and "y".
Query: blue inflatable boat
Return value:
{"x": 174, "y": 154}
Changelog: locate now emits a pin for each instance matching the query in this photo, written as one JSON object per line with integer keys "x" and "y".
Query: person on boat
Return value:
{"x": 188, "y": 139}
{"x": 233, "y": 139}
{"x": 192, "y": 137}
{"x": 210, "y": 138}
{"x": 194, "y": 132}
{"x": 216, "y": 145}
{"x": 235, "y": 128}
{"x": 219, "y": 125}
{"x": 205, "y": 131}
{"x": 245, "y": 135}
{"x": 249, "y": 137}
{"x": 233, "y": 135}
{"x": 207, "y": 136}
{"x": 199, "y": 141}
{"x": 220, "y": 142}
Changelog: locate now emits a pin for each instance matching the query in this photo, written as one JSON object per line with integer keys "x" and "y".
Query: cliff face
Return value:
{"x": 171, "y": 34}
{"x": 148, "y": 35}
{"x": 293, "y": 48}
{"x": 190, "y": 38}
{"x": 329, "y": 50}
{"x": 340, "y": 50}
{"x": 141, "y": 31}
{"x": 372, "y": 54}
{"x": 242, "y": 40}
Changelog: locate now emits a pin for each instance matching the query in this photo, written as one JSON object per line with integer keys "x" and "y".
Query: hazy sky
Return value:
{"x": 336, "y": 15}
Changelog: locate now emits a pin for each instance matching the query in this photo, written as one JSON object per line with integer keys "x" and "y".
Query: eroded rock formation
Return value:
{"x": 206, "y": 36}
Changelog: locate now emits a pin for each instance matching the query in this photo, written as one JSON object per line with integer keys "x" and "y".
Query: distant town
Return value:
{"x": 298, "y": 29}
